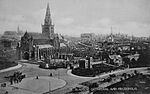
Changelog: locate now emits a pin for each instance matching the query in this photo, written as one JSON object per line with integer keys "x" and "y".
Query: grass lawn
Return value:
{"x": 41, "y": 85}
{"x": 96, "y": 70}
{"x": 139, "y": 84}
{"x": 7, "y": 64}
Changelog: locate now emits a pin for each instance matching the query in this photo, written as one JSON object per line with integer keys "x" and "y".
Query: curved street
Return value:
{"x": 32, "y": 70}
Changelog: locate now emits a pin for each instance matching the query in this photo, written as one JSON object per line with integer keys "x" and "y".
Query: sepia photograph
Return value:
{"x": 74, "y": 46}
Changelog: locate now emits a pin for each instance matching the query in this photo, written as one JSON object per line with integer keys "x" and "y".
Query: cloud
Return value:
{"x": 105, "y": 22}
{"x": 65, "y": 21}
{"x": 18, "y": 18}
{"x": 12, "y": 18}
{"x": 91, "y": 16}
{"x": 135, "y": 28}
{"x": 10, "y": 22}
{"x": 38, "y": 16}
{"x": 103, "y": 27}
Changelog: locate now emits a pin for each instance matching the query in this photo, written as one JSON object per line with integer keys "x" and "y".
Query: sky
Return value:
{"x": 73, "y": 17}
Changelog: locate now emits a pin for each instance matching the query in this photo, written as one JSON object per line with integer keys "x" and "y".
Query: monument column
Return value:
{"x": 38, "y": 53}
{"x": 35, "y": 52}
{"x": 20, "y": 57}
{"x": 30, "y": 55}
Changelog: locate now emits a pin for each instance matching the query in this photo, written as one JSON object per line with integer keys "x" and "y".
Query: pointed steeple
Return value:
{"x": 111, "y": 30}
{"x": 26, "y": 35}
{"x": 18, "y": 29}
{"x": 111, "y": 35}
{"x": 48, "y": 11}
{"x": 48, "y": 27}
{"x": 48, "y": 20}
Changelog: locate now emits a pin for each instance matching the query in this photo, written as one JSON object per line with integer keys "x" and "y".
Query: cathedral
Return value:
{"x": 36, "y": 46}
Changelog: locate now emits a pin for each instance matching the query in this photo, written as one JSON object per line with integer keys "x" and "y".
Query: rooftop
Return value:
{"x": 45, "y": 46}
{"x": 37, "y": 35}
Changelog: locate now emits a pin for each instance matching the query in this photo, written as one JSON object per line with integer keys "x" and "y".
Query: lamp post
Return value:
{"x": 49, "y": 87}
{"x": 58, "y": 74}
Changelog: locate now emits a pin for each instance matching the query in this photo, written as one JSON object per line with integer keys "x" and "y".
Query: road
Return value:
{"x": 32, "y": 70}
{"x": 117, "y": 72}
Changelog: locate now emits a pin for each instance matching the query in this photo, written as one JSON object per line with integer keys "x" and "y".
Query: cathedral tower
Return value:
{"x": 48, "y": 27}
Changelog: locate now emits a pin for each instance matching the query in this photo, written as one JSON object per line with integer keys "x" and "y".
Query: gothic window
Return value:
{"x": 52, "y": 28}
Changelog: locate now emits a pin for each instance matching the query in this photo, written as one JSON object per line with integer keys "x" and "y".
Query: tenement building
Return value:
{"x": 10, "y": 39}
{"x": 48, "y": 44}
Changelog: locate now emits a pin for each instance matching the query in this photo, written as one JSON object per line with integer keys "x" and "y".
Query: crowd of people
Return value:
{"x": 16, "y": 77}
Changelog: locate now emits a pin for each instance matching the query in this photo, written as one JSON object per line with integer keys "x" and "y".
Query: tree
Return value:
{"x": 126, "y": 60}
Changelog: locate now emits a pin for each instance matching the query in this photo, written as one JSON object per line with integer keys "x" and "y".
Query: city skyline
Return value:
{"x": 73, "y": 17}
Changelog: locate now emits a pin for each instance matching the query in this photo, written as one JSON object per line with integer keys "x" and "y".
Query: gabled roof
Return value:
{"x": 10, "y": 33}
{"x": 62, "y": 45}
{"x": 10, "y": 37}
{"x": 37, "y": 35}
{"x": 60, "y": 36}
{"x": 114, "y": 56}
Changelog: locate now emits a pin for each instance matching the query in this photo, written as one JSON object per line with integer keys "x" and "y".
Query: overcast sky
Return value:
{"x": 73, "y": 17}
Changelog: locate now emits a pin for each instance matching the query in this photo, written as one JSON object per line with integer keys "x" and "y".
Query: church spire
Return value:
{"x": 111, "y": 30}
{"x": 111, "y": 35}
{"x": 48, "y": 27}
{"x": 48, "y": 20}
{"x": 18, "y": 29}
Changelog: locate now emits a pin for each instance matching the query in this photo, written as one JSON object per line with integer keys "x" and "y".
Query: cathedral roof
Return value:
{"x": 37, "y": 35}
{"x": 60, "y": 36}
{"x": 45, "y": 46}
{"x": 62, "y": 45}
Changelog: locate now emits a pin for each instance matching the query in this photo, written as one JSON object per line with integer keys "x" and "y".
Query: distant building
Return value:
{"x": 134, "y": 56}
{"x": 86, "y": 37}
{"x": 116, "y": 59}
{"x": 83, "y": 64}
{"x": 10, "y": 38}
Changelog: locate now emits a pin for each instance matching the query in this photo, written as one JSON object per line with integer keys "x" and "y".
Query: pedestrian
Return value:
{"x": 37, "y": 77}
{"x": 6, "y": 92}
{"x": 51, "y": 74}
{"x": 11, "y": 81}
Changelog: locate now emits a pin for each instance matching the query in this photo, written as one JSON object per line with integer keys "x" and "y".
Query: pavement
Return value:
{"x": 30, "y": 86}
{"x": 11, "y": 68}
{"x": 41, "y": 85}
{"x": 32, "y": 70}
{"x": 69, "y": 72}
